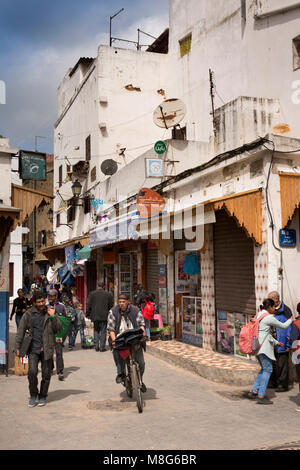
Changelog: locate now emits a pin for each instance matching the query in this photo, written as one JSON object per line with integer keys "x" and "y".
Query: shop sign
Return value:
{"x": 287, "y": 237}
{"x": 149, "y": 203}
{"x": 32, "y": 165}
{"x": 154, "y": 168}
{"x": 160, "y": 147}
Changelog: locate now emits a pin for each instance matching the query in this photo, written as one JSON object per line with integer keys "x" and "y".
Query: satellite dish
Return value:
{"x": 109, "y": 167}
{"x": 169, "y": 113}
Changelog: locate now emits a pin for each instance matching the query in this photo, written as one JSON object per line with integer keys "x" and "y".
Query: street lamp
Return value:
{"x": 76, "y": 189}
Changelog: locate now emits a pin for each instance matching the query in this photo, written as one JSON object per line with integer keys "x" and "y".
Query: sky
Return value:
{"x": 41, "y": 39}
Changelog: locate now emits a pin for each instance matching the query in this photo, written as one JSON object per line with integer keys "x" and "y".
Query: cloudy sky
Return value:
{"x": 41, "y": 39}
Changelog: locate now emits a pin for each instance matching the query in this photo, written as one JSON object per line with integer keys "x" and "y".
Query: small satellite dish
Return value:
{"x": 109, "y": 167}
{"x": 169, "y": 113}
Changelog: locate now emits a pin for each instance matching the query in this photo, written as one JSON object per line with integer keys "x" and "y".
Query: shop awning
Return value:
{"x": 84, "y": 253}
{"x": 9, "y": 216}
{"x": 27, "y": 200}
{"x": 290, "y": 196}
{"x": 57, "y": 252}
{"x": 246, "y": 208}
{"x": 115, "y": 230}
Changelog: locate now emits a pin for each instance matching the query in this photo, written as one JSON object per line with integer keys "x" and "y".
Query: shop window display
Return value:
{"x": 229, "y": 328}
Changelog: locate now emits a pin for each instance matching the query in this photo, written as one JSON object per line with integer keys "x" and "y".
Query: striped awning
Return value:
{"x": 290, "y": 196}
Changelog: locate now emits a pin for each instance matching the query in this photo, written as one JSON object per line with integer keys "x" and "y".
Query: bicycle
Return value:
{"x": 131, "y": 341}
{"x": 133, "y": 380}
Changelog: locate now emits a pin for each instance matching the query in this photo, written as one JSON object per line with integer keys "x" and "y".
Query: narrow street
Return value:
{"x": 182, "y": 411}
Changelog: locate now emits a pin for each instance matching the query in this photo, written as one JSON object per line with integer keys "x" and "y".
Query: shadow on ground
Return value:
{"x": 62, "y": 394}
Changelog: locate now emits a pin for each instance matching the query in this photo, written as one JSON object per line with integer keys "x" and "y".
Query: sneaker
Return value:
{"x": 264, "y": 401}
{"x": 97, "y": 349}
{"x": 103, "y": 350}
{"x": 251, "y": 395}
{"x": 61, "y": 377}
{"x": 143, "y": 388}
{"x": 32, "y": 402}
{"x": 42, "y": 401}
{"x": 120, "y": 378}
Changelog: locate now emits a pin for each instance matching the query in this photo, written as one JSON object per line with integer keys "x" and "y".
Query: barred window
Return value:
{"x": 185, "y": 45}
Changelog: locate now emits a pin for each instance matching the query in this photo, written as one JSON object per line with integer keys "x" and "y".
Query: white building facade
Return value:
{"x": 236, "y": 69}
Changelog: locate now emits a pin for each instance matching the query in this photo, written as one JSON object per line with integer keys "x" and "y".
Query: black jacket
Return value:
{"x": 50, "y": 327}
{"x": 98, "y": 305}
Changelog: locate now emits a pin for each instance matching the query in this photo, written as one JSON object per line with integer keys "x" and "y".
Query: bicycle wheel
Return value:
{"x": 137, "y": 388}
{"x": 128, "y": 382}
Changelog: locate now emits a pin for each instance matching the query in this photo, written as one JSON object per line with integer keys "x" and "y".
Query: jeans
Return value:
{"x": 59, "y": 358}
{"x": 100, "y": 333}
{"x": 147, "y": 327}
{"x": 74, "y": 335}
{"x": 263, "y": 376}
{"x": 47, "y": 366}
{"x": 18, "y": 319}
{"x": 120, "y": 363}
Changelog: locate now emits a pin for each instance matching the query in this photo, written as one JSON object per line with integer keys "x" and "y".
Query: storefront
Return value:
{"x": 235, "y": 298}
{"x": 188, "y": 292}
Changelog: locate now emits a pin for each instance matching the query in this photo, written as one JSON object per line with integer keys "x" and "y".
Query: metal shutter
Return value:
{"x": 152, "y": 273}
{"x": 234, "y": 267}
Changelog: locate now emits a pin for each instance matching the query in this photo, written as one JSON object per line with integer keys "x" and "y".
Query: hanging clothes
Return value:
{"x": 191, "y": 264}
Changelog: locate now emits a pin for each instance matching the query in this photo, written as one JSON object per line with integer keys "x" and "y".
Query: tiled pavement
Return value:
{"x": 209, "y": 364}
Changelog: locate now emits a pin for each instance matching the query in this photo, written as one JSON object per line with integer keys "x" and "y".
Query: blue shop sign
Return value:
{"x": 287, "y": 237}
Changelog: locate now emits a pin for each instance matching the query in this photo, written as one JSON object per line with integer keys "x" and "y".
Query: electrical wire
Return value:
{"x": 270, "y": 212}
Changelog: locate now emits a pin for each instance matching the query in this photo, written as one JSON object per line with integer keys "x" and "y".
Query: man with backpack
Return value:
{"x": 121, "y": 318}
{"x": 265, "y": 344}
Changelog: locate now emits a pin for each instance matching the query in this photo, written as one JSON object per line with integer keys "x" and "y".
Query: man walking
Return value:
{"x": 59, "y": 310}
{"x": 41, "y": 323}
{"x": 280, "y": 375}
{"x": 98, "y": 306}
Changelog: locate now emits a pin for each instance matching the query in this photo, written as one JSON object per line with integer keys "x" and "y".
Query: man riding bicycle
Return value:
{"x": 121, "y": 318}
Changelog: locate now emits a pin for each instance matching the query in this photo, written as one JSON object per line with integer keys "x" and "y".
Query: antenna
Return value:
{"x": 110, "y": 21}
{"x": 139, "y": 46}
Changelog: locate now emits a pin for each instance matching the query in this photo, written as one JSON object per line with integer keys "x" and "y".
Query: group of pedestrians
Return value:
{"x": 278, "y": 332}
{"x": 40, "y": 323}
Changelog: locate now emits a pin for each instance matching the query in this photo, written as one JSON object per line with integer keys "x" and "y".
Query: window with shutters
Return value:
{"x": 60, "y": 175}
{"x": 185, "y": 45}
{"x": 58, "y": 220}
{"x": 86, "y": 205}
{"x": 296, "y": 52}
{"x": 71, "y": 211}
{"x": 88, "y": 148}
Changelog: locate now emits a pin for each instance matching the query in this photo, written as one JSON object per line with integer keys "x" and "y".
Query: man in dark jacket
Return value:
{"x": 98, "y": 306}
{"x": 41, "y": 323}
{"x": 280, "y": 374}
{"x": 123, "y": 317}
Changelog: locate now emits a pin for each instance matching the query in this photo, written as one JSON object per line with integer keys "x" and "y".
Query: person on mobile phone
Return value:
{"x": 41, "y": 323}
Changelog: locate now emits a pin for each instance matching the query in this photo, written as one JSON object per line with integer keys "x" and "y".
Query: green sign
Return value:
{"x": 160, "y": 147}
{"x": 32, "y": 165}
